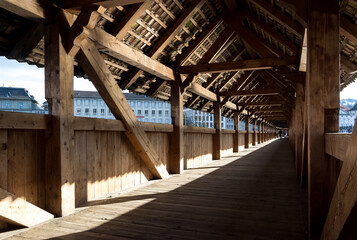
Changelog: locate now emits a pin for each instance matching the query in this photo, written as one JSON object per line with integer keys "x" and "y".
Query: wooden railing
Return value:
{"x": 104, "y": 160}
{"x": 341, "y": 219}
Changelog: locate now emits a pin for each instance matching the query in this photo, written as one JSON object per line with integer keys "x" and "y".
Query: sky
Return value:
{"x": 15, "y": 74}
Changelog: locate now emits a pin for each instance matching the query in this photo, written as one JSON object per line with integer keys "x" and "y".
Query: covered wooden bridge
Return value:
{"x": 276, "y": 64}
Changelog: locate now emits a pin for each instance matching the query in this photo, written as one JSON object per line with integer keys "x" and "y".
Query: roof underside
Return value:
{"x": 184, "y": 32}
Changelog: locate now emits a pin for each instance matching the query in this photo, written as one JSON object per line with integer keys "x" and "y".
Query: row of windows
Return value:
{"x": 154, "y": 120}
{"x": 146, "y": 104}
{"x": 153, "y": 112}
{"x": 94, "y": 111}
{"x": 87, "y": 102}
{"x": 20, "y": 105}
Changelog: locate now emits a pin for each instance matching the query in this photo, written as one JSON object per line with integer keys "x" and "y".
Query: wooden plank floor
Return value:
{"x": 249, "y": 195}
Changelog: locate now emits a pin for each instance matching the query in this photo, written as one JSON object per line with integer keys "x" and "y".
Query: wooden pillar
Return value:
{"x": 254, "y": 138}
{"x": 260, "y": 133}
{"x": 217, "y": 136}
{"x": 60, "y": 191}
{"x": 177, "y": 142}
{"x": 323, "y": 105}
{"x": 236, "y": 133}
{"x": 299, "y": 128}
{"x": 246, "y": 136}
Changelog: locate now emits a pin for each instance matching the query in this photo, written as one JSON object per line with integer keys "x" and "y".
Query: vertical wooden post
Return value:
{"x": 299, "y": 128}
{"x": 254, "y": 138}
{"x": 246, "y": 136}
{"x": 236, "y": 133}
{"x": 260, "y": 133}
{"x": 60, "y": 191}
{"x": 217, "y": 136}
{"x": 177, "y": 142}
{"x": 323, "y": 105}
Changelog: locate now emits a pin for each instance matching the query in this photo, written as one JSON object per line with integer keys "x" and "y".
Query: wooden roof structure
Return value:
{"x": 244, "y": 59}
{"x": 181, "y": 34}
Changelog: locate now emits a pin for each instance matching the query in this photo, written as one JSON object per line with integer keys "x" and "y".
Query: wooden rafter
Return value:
{"x": 165, "y": 40}
{"x": 115, "y": 48}
{"x": 93, "y": 64}
{"x": 78, "y": 4}
{"x": 265, "y": 92}
{"x": 244, "y": 65}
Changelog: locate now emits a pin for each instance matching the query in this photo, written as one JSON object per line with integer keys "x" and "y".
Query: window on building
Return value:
{"x": 94, "y": 111}
{"x": 102, "y": 103}
{"x": 146, "y": 120}
{"x": 79, "y": 102}
{"x": 159, "y": 104}
{"x": 167, "y": 104}
{"x": 94, "y": 102}
{"x": 86, "y": 111}
{"x": 86, "y": 102}
{"x": 7, "y": 104}
{"x": 79, "y": 111}
{"x": 109, "y": 112}
{"x": 102, "y": 111}
{"x": 153, "y": 104}
{"x": 167, "y": 121}
{"x": 153, "y": 120}
{"x": 153, "y": 112}
{"x": 132, "y": 103}
{"x": 146, "y": 112}
{"x": 139, "y": 103}
{"x": 159, "y": 120}
{"x": 166, "y": 113}
{"x": 160, "y": 113}
{"x": 21, "y": 105}
{"x": 146, "y": 104}
{"x": 139, "y": 112}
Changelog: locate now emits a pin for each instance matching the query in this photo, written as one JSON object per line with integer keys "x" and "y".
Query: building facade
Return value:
{"x": 18, "y": 100}
{"x": 348, "y": 119}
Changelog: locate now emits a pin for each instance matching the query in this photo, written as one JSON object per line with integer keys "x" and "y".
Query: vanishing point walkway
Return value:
{"x": 248, "y": 195}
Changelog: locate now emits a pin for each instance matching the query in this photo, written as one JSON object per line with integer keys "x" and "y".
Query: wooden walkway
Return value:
{"x": 249, "y": 195}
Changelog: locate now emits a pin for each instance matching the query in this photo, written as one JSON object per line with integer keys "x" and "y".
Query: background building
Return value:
{"x": 347, "y": 118}
{"x": 18, "y": 100}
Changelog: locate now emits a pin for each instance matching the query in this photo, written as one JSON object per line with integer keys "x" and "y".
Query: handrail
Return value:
{"x": 336, "y": 144}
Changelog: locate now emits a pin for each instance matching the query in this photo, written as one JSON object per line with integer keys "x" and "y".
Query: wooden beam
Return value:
{"x": 28, "y": 41}
{"x": 272, "y": 32}
{"x": 177, "y": 149}
{"x": 323, "y": 106}
{"x": 280, "y": 17}
{"x": 335, "y": 144}
{"x": 244, "y": 65}
{"x": 115, "y": 48}
{"x": 217, "y": 140}
{"x": 203, "y": 92}
{"x": 348, "y": 29}
{"x": 60, "y": 190}
{"x": 265, "y": 103}
{"x": 17, "y": 211}
{"x": 254, "y": 92}
{"x": 17, "y": 120}
{"x": 246, "y": 135}
{"x": 130, "y": 18}
{"x": 236, "y": 129}
{"x": 30, "y": 9}
{"x": 94, "y": 66}
{"x": 78, "y": 4}
{"x": 345, "y": 195}
{"x": 165, "y": 40}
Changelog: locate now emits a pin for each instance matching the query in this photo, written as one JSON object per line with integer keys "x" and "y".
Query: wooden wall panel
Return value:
{"x": 106, "y": 163}
{"x": 227, "y": 143}
{"x": 241, "y": 139}
{"x": 198, "y": 149}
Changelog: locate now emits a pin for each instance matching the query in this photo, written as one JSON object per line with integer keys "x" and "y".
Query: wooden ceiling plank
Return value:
{"x": 279, "y": 16}
{"x": 134, "y": 13}
{"x": 165, "y": 40}
{"x": 78, "y": 4}
{"x": 254, "y": 92}
{"x": 244, "y": 65}
{"x": 30, "y": 9}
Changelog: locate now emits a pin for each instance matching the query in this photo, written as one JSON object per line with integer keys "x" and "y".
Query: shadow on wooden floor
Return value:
{"x": 254, "y": 196}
